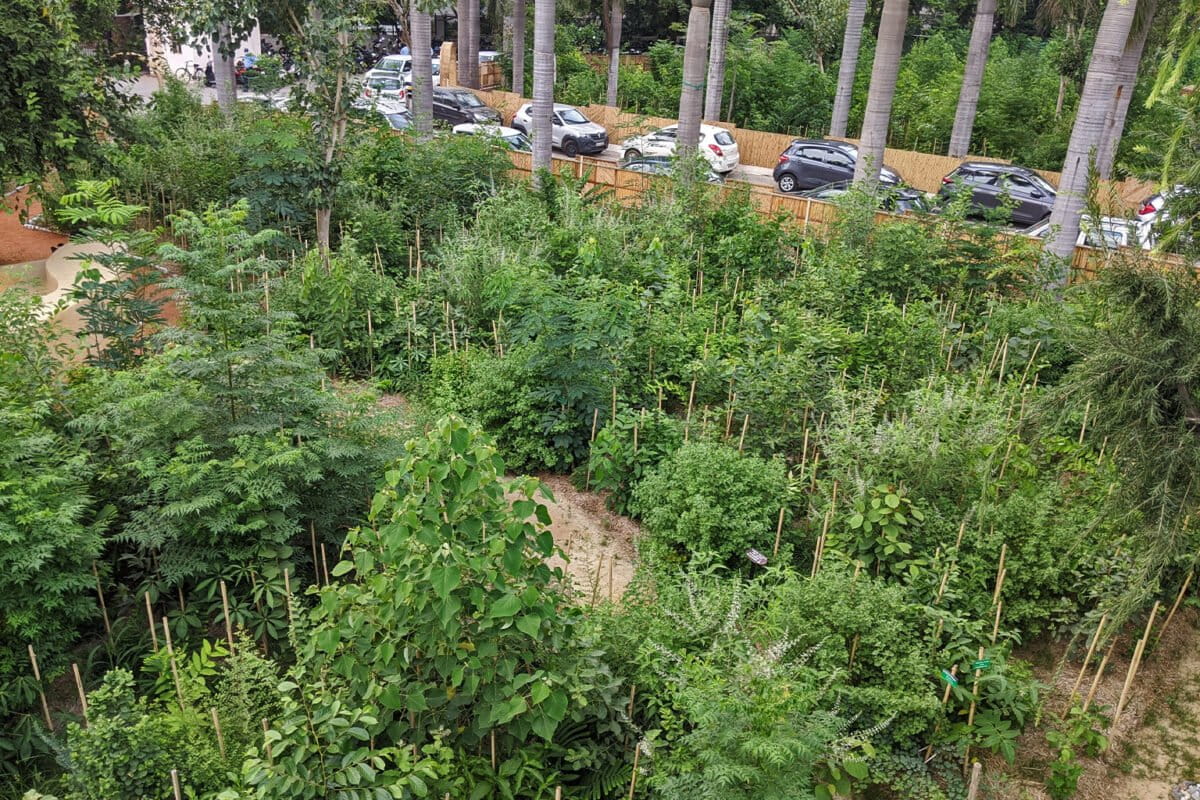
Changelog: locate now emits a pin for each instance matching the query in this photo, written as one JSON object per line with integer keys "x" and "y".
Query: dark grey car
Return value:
{"x": 809, "y": 163}
{"x": 456, "y": 106}
{"x": 991, "y": 185}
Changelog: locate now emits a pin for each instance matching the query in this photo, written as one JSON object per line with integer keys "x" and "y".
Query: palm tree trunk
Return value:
{"x": 851, "y": 41}
{"x": 883, "y": 89}
{"x": 614, "y": 12}
{"x": 1114, "y": 122}
{"x": 716, "y": 59}
{"x": 472, "y": 77}
{"x": 1088, "y": 131}
{"x": 968, "y": 96}
{"x": 518, "y": 47}
{"x": 422, "y": 69}
{"x": 695, "y": 60}
{"x": 543, "y": 86}
{"x": 462, "y": 50}
{"x": 223, "y": 69}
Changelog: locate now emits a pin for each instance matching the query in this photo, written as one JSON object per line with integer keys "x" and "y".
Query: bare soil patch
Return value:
{"x": 18, "y": 243}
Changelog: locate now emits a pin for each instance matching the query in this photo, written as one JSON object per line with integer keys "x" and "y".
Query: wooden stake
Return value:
{"x": 742, "y": 438}
{"x": 175, "y": 784}
{"x": 1099, "y": 674}
{"x": 103, "y": 605}
{"x": 216, "y": 721}
{"x": 267, "y": 742}
{"x": 1000, "y": 575}
{"x": 976, "y": 774}
{"x": 150, "y": 620}
{"x": 945, "y": 699}
{"x": 287, "y": 590}
{"x": 312, "y": 533}
{"x": 637, "y": 751}
{"x": 1178, "y": 599}
{"x": 611, "y": 561}
{"x": 1083, "y": 428}
{"x": 324, "y": 564}
{"x": 996, "y": 624}
{"x": 1133, "y": 667}
{"x": 614, "y": 402}
{"x": 778, "y": 531}
{"x": 37, "y": 676}
{"x": 1088, "y": 658}
{"x": 971, "y": 712}
{"x": 82, "y": 694}
{"x": 171, "y": 658}
{"x": 228, "y": 624}
{"x": 492, "y": 738}
{"x": 596, "y": 585}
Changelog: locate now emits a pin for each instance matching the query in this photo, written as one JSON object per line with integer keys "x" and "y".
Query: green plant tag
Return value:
{"x": 982, "y": 664}
{"x": 948, "y": 678}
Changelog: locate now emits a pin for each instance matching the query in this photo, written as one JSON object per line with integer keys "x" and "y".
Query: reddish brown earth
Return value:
{"x": 18, "y": 243}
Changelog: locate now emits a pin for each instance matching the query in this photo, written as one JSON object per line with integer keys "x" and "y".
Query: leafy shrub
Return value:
{"x": 626, "y": 450}
{"x": 708, "y": 498}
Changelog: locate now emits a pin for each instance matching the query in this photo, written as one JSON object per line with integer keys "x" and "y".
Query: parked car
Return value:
{"x": 385, "y": 87}
{"x": 716, "y": 145}
{"x": 393, "y": 66}
{"x": 573, "y": 133}
{"x": 514, "y": 139}
{"x": 991, "y": 185}
{"x": 393, "y": 112}
{"x": 814, "y": 163}
{"x": 456, "y": 106}
{"x": 1111, "y": 233}
{"x": 659, "y": 165}
{"x": 897, "y": 198}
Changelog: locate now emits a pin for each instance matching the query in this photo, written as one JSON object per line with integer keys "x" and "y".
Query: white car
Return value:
{"x": 1111, "y": 233}
{"x": 573, "y": 133}
{"x": 380, "y": 88}
{"x": 716, "y": 145}
{"x": 513, "y": 138}
{"x": 400, "y": 68}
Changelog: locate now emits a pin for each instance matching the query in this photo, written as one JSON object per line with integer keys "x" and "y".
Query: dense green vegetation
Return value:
{"x": 885, "y": 412}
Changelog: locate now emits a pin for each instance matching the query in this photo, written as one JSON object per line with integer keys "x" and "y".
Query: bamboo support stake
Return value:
{"x": 1000, "y": 573}
{"x": 596, "y": 584}
{"x": 216, "y": 721}
{"x": 996, "y": 624}
{"x": 778, "y": 531}
{"x": 150, "y": 620}
{"x": 1136, "y": 663}
{"x": 287, "y": 590}
{"x": 324, "y": 564}
{"x": 492, "y": 740}
{"x": 976, "y": 774}
{"x": 945, "y": 699}
{"x": 637, "y": 751}
{"x": 37, "y": 676}
{"x": 611, "y": 561}
{"x": 175, "y": 785}
{"x": 312, "y": 535}
{"x": 1083, "y": 428}
{"x": 228, "y": 623}
{"x": 971, "y": 712}
{"x": 103, "y": 605}
{"x": 267, "y": 742}
{"x": 1178, "y": 599}
{"x": 1090, "y": 652}
{"x": 742, "y": 438}
{"x": 1099, "y": 674}
{"x": 79, "y": 688}
{"x": 171, "y": 658}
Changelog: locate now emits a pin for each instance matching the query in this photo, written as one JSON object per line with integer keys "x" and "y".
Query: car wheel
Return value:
{"x": 631, "y": 154}
{"x": 787, "y": 182}
{"x": 570, "y": 148}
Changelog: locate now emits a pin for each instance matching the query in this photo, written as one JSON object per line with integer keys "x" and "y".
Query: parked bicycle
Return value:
{"x": 192, "y": 71}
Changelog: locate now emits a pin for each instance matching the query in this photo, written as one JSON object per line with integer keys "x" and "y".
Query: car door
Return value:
{"x": 985, "y": 188}
{"x": 810, "y": 167}
{"x": 556, "y": 127}
{"x": 839, "y": 166}
{"x": 441, "y": 107}
{"x": 662, "y": 142}
{"x": 1029, "y": 201}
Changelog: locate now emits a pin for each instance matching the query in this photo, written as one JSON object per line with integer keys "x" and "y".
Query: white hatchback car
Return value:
{"x": 716, "y": 145}
{"x": 400, "y": 68}
{"x": 573, "y": 132}
{"x": 514, "y": 139}
{"x": 1111, "y": 233}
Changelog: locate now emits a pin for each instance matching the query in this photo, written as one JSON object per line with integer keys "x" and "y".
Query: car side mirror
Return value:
{"x": 1036, "y": 193}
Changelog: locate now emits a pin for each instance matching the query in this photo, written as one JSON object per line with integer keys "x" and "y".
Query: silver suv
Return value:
{"x": 573, "y": 132}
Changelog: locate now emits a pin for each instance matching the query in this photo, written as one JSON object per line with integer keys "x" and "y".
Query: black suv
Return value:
{"x": 809, "y": 163}
{"x": 456, "y": 106}
{"x": 990, "y": 184}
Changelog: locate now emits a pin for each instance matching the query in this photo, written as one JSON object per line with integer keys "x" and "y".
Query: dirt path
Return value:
{"x": 18, "y": 243}
{"x": 599, "y": 544}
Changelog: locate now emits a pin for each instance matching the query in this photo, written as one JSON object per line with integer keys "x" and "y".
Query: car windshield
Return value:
{"x": 572, "y": 117}
{"x": 468, "y": 100}
{"x": 1040, "y": 183}
{"x": 400, "y": 120}
{"x": 519, "y": 141}
{"x": 392, "y": 65}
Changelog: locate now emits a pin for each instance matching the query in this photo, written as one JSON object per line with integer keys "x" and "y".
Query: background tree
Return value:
{"x": 1087, "y": 134}
{"x": 691, "y": 96}
{"x": 714, "y": 90}
{"x": 543, "y": 83}
{"x": 613, "y": 15}
{"x": 968, "y": 98}
{"x": 882, "y": 91}
{"x": 518, "y": 47}
{"x": 1122, "y": 94}
{"x": 847, "y": 67}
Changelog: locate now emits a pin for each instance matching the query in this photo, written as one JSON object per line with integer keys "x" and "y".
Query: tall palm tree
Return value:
{"x": 419, "y": 26}
{"x": 1131, "y": 59}
{"x": 543, "y": 85}
{"x": 472, "y": 76}
{"x": 883, "y": 89}
{"x": 851, "y": 41}
{"x": 968, "y": 96}
{"x": 1088, "y": 131}
{"x": 716, "y": 59}
{"x": 695, "y": 59}
{"x": 518, "y": 47}
{"x": 613, "y": 13}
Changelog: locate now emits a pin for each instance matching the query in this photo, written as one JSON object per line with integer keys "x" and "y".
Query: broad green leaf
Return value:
{"x": 506, "y": 606}
{"x": 445, "y": 579}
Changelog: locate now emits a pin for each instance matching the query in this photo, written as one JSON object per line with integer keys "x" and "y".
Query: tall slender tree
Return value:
{"x": 716, "y": 59}
{"x": 543, "y": 86}
{"x": 420, "y": 30}
{"x": 613, "y": 13}
{"x": 518, "y": 47}
{"x": 1088, "y": 131}
{"x": 968, "y": 96}
{"x": 472, "y": 77}
{"x": 883, "y": 90}
{"x": 1131, "y": 59}
{"x": 462, "y": 49}
{"x": 851, "y": 41}
{"x": 695, "y": 60}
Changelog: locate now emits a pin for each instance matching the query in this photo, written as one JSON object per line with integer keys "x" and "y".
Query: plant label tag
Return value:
{"x": 757, "y": 557}
{"x": 948, "y": 678}
{"x": 985, "y": 663}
